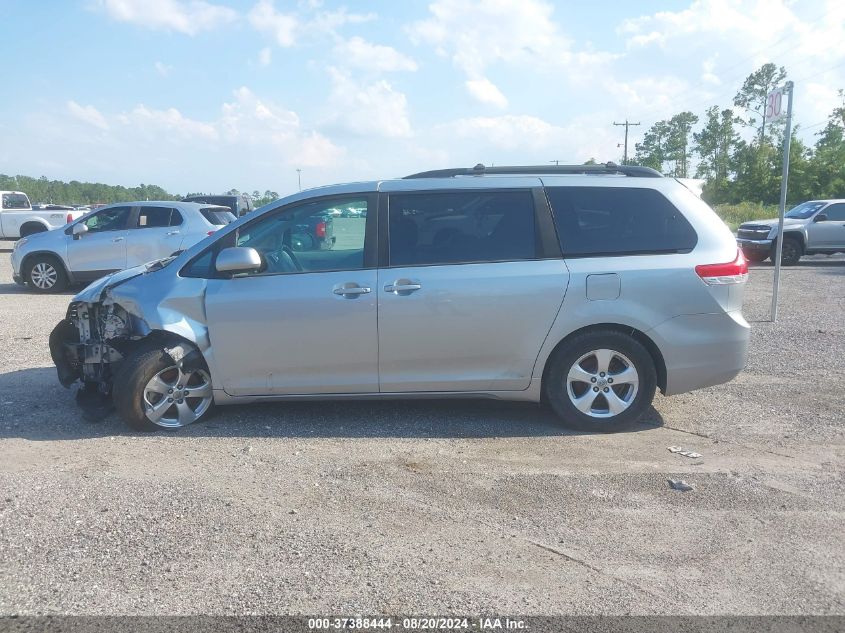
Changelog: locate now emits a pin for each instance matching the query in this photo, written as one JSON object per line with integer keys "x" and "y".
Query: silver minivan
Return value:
{"x": 585, "y": 287}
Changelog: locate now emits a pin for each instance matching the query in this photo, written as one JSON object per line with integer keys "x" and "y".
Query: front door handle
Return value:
{"x": 117, "y": 239}
{"x": 173, "y": 233}
{"x": 403, "y": 287}
{"x": 351, "y": 290}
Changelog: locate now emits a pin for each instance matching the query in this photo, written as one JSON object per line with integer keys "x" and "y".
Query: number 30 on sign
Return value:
{"x": 775, "y": 105}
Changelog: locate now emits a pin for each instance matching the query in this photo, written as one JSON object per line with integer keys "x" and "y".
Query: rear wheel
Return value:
{"x": 45, "y": 274}
{"x": 151, "y": 391}
{"x": 601, "y": 381}
{"x": 791, "y": 252}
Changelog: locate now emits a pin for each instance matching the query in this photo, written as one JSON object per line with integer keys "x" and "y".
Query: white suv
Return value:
{"x": 112, "y": 238}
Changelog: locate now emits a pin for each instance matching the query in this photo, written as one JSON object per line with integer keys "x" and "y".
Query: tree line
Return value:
{"x": 85, "y": 193}
{"x": 737, "y": 170}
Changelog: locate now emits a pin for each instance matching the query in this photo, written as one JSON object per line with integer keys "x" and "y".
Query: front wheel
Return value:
{"x": 791, "y": 252}
{"x": 152, "y": 391}
{"x": 755, "y": 256}
{"x": 601, "y": 381}
{"x": 45, "y": 274}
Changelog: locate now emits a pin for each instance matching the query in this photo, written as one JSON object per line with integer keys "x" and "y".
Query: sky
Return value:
{"x": 208, "y": 95}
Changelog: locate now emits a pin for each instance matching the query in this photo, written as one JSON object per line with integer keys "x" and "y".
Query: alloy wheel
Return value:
{"x": 44, "y": 275}
{"x": 173, "y": 398}
{"x": 602, "y": 383}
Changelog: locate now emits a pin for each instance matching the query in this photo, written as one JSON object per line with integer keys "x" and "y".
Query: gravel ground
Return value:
{"x": 436, "y": 507}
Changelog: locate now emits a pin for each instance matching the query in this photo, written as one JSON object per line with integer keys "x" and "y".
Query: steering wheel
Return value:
{"x": 286, "y": 255}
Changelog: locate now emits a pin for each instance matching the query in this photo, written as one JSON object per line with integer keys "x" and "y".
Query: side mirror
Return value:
{"x": 238, "y": 259}
{"x": 821, "y": 217}
{"x": 79, "y": 230}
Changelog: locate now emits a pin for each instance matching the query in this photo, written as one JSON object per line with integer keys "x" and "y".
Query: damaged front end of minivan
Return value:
{"x": 116, "y": 316}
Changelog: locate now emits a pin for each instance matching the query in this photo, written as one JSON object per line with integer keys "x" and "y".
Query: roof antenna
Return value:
{"x": 479, "y": 169}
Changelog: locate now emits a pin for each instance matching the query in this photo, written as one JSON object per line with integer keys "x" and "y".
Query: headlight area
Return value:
{"x": 88, "y": 342}
{"x": 18, "y": 243}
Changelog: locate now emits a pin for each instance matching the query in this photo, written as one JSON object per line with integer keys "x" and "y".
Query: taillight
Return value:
{"x": 211, "y": 233}
{"x": 734, "y": 272}
{"x": 320, "y": 230}
{"x": 69, "y": 218}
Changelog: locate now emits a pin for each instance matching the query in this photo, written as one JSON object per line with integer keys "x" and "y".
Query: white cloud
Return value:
{"x": 164, "y": 123}
{"x": 526, "y": 139}
{"x": 265, "y": 56}
{"x": 184, "y": 16}
{"x": 486, "y": 92}
{"x": 163, "y": 69}
{"x": 509, "y": 131}
{"x": 374, "y": 109}
{"x": 249, "y": 127}
{"x": 477, "y": 34}
{"x": 707, "y": 74}
{"x": 89, "y": 114}
{"x": 759, "y": 20}
{"x": 360, "y": 53}
{"x": 281, "y": 26}
{"x": 287, "y": 27}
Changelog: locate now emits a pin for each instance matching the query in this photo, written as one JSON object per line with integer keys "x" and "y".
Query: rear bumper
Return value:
{"x": 754, "y": 245}
{"x": 702, "y": 350}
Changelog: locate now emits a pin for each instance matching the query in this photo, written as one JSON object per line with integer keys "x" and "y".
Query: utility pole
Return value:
{"x": 299, "y": 178}
{"x": 789, "y": 89}
{"x": 627, "y": 125}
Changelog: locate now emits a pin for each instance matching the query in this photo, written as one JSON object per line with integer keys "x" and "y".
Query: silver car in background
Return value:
{"x": 587, "y": 287}
{"x": 115, "y": 237}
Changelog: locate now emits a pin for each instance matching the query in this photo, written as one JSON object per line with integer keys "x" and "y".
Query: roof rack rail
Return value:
{"x": 601, "y": 168}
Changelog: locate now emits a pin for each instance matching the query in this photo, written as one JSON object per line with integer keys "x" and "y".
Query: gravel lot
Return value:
{"x": 436, "y": 507}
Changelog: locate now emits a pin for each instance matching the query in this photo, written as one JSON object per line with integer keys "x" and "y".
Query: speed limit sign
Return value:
{"x": 774, "y": 105}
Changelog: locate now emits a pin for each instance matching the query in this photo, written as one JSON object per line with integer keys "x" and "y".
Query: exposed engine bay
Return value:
{"x": 91, "y": 341}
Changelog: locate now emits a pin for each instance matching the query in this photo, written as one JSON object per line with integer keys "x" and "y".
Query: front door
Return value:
{"x": 830, "y": 232}
{"x": 103, "y": 248}
{"x": 466, "y": 302}
{"x": 306, "y": 323}
{"x": 156, "y": 232}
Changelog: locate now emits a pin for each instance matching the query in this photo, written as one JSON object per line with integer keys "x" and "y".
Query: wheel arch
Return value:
{"x": 39, "y": 225}
{"x": 639, "y": 335}
{"x": 51, "y": 254}
{"x": 177, "y": 346}
{"x": 798, "y": 236}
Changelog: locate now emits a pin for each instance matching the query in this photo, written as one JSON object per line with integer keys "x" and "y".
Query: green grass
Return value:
{"x": 736, "y": 214}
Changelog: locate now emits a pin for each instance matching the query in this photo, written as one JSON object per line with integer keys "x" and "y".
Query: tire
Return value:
{"x": 791, "y": 252}
{"x": 32, "y": 228}
{"x": 755, "y": 256}
{"x": 592, "y": 352}
{"x": 45, "y": 274}
{"x": 136, "y": 392}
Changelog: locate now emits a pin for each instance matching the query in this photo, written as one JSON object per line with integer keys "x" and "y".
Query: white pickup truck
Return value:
{"x": 19, "y": 219}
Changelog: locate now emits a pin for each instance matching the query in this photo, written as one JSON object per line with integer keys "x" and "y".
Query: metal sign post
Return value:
{"x": 774, "y": 111}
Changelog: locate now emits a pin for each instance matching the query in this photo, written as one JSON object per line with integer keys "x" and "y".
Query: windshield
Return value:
{"x": 15, "y": 201}
{"x": 804, "y": 211}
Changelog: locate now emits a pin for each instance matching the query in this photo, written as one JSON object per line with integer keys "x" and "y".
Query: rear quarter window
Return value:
{"x": 595, "y": 221}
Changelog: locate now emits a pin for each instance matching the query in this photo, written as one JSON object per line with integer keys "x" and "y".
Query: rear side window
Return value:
{"x": 461, "y": 227}
{"x": 151, "y": 217}
{"x": 218, "y": 216}
{"x": 15, "y": 201}
{"x": 593, "y": 221}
